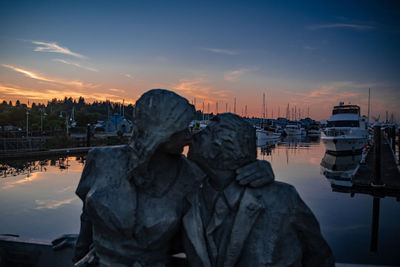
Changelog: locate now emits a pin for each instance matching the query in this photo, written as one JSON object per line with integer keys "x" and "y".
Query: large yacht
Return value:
{"x": 346, "y": 130}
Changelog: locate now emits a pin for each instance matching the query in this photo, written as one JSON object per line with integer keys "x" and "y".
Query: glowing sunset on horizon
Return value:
{"x": 308, "y": 55}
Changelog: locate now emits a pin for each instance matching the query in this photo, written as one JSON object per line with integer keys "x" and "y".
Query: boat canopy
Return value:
{"x": 343, "y": 124}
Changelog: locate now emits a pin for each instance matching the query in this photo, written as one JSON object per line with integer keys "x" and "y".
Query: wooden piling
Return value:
{"x": 375, "y": 224}
{"x": 398, "y": 145}
{"x": 393, "y": 131}
{"x": 376, "y": 177}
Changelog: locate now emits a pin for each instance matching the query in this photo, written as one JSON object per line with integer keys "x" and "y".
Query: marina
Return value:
{"x": 100, "y": 99}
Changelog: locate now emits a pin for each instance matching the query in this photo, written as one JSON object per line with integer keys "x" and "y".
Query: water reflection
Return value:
{"x": 38, "y": 199}
{"x": 29, "y": 166}
{"x": 339, "y": 169}
{"x": 44, "y": 204}
{"x": 349, "y": 222}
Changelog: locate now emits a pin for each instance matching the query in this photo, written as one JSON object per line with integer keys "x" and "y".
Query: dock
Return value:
{"x": 379, "y": 176}
{"x": 362, "y": 180}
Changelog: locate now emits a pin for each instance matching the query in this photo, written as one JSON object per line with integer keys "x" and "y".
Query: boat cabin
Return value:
{"x": 346, "y": 109}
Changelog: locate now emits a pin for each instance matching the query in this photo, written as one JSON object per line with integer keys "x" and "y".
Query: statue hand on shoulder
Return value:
{"x": 255, "y": 174}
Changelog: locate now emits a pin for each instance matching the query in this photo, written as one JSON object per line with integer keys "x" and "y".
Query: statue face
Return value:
{"x": 226, "y": 144}
{"x": 177, "y": 142}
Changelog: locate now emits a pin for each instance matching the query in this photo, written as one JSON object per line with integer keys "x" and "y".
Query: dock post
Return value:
{"x": 88, "y": 135}
{"x": 398, "y": 145}
{"x": 393, "y": 130}
{"x": 376, "y": 178}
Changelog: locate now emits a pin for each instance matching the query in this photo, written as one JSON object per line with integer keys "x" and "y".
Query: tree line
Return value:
{"x": 52, "y": 116}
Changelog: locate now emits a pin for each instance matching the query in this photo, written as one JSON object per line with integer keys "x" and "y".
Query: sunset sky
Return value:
{"x": 310, "y": 54}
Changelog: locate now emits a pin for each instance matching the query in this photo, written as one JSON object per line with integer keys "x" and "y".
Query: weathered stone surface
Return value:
{"x": 130, "y": 221}
{"x": 133, "y": 197}
{"x": 228, "y": 224}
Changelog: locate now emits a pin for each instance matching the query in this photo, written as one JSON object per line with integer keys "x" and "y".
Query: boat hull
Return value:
{"x": 293, "y": 132}
{"x": 343, "y": 144}
{"x": 314, "y": 133}
{"x": 263, "y": 137}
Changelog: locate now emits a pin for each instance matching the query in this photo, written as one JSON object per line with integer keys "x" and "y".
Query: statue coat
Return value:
{"x": 272, "y": 227}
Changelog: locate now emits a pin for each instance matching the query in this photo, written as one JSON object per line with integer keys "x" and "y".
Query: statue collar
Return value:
{"x": 232, "y": 193}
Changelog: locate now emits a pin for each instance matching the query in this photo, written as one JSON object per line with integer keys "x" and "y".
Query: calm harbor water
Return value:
{"x": 39, "y": 202}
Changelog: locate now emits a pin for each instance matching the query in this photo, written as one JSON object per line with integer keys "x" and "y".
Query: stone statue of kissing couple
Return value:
{"x": 145, "y": 201}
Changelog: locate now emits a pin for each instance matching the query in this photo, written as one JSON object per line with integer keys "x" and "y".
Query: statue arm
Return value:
{"x": 316, "y": 252}
{"x": 256, "y": 174}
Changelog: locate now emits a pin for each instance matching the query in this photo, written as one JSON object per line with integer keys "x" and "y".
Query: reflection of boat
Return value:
{"x": 293, "y": 128}
{"x": 264, "y": 136}
{"x": 340, "y": 169}
{"x": 346, "y": 129}
{"x": 314, "y": 130}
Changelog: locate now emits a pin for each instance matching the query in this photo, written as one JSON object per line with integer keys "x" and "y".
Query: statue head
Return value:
{"x": 227, "y": 143}
{"x": 159, "y": 116}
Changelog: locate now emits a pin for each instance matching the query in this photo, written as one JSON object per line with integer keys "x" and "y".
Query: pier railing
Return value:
{"x": 12, "y": 145}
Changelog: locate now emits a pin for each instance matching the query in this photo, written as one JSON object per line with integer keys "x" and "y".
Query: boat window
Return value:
{"x": 346, "y": 110}
{"x": 343, "y": 124}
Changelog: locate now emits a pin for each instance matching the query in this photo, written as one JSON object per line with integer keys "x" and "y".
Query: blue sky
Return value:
{"x": 306, "y": 53}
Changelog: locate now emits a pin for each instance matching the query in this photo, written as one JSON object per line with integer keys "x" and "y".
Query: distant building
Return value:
{"x": 10, "y": 128}
{"x": 116, "y": 123}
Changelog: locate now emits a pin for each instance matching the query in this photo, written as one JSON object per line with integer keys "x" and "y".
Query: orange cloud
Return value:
{"x": 195, "y": 88}
{"x": 35, "y": 76}
{"x": 234, "y": 76}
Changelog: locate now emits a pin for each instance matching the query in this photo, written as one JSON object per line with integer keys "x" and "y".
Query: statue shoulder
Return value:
{"x": 279, "y": 193}
{"x": 101, "y": 162}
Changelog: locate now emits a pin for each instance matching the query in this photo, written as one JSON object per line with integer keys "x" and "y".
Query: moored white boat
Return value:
{"x": 293, "y": 128}
{"x": 314, "y": 130}
{"x": 346, "y": 130}
{"x": 264, "y": 136}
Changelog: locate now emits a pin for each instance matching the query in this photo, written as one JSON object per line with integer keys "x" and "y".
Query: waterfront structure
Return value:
{"x": 293, "y": 128}
{"x": 118, "y": 123}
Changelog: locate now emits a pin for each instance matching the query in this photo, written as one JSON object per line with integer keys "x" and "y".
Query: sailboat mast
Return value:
{"x": 263, "y": 108}
{"x": 203, "y": 110}
{"x": 369, "y": 98}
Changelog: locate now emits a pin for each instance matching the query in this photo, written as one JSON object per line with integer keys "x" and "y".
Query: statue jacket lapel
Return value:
{"x": 250, "y": 206}
{"x": 249, "y": 209}
{"x": 194, "y": 229}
